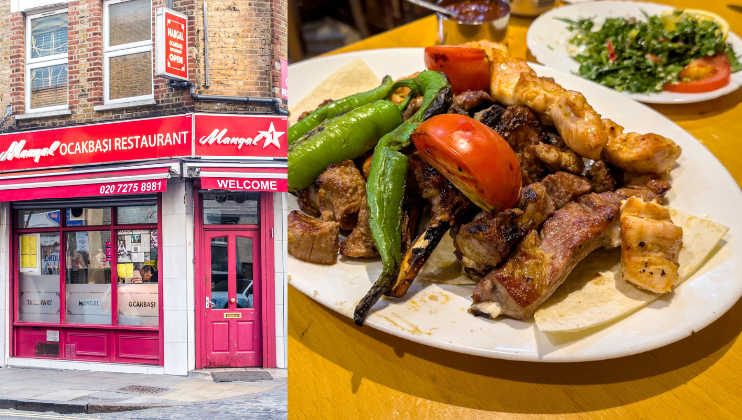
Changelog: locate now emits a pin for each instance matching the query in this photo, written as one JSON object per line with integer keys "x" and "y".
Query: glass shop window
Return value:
{"x": 88, "y": 277}
{"x": 229, "y": 208}
{"x": 37, "y": 219}
{"x": 88, "y": 216}
{"x": 137, "y": 268}
{"x": 133, "y": 215}
{"x": 38, "y": 277}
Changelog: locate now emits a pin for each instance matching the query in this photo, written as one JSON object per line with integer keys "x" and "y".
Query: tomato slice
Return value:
{"x": 705, "y": 74}
{"x": 473, "y": 157}
{"x": 467, "y": 68}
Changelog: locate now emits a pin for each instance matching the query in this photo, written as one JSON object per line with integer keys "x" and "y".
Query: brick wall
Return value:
{"x": 246, "y": 42}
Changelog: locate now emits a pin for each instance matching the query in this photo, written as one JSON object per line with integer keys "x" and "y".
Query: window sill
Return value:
{"x": 120, "y": 105}
{"x": 45, "y": 114}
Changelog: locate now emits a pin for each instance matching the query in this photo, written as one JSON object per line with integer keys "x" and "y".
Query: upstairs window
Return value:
{"x": 46, "y": 61}
{"x": 127, "y": 51}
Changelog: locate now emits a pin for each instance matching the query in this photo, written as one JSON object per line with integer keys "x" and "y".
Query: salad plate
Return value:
{"x": 436, "y": 314}
{"x": 548, "y": 40}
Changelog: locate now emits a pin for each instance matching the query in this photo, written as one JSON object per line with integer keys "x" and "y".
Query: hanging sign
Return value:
{"x": 171, "y": 44}
{"x": 284, "y": 79}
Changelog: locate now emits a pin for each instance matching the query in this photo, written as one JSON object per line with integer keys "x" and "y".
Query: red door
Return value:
{"x": 231, "y": 310}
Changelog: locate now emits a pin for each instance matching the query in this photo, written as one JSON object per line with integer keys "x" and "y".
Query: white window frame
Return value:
{"x": 125, "y": 49}
{"x": 48, "y": 61}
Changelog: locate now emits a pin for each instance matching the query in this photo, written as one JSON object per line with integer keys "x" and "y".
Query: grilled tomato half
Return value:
{"x": 479, "y": 162}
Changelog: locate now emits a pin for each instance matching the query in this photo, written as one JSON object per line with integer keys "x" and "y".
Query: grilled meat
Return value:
{"x": 555, "y": 159}
{"x": 311, "y": 239}
{"x": 543, "y": 261}
{"x": 506, "y": 70}
{"x": 469, "y": 102}
{"x": 604, "y": 177}
{"x": 490, "y": 116}
{"x": 341, "y": 190}
{"x": 447, "y": 206}
{"x": 564, "y": 187}
{"x": 309, "y": 201}
{"x": 360, "y": 242}
{"x": 634, "y": 152}
{"x": 579, "y": 125}
{"x": 650, "y": 246}
{"x": 648, "y": 187}
{"x": 412, "y": 108}
{"x": 486, "y": 241}
{"x": 519, "y": 126}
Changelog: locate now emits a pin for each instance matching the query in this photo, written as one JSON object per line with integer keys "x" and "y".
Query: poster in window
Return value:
{"x": 49, "y": 253}
{"x": 29, "y": 253}
{"x": 83, "y": 244}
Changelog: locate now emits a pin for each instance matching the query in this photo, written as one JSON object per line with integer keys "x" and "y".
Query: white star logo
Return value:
{"x": 271, "y": 136}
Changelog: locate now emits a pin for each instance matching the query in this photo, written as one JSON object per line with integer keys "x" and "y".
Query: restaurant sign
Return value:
{"x": 171, "y": 44}
{"x": 245, "y": 184}
{"x": 242, "y": 136}
{"x": 237, "y": 136}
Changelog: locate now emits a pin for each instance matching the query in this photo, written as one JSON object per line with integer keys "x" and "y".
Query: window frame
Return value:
{"x": 63, "y": 229}
{"x": 35, "y": 63}
{"x": 121, "y": 50}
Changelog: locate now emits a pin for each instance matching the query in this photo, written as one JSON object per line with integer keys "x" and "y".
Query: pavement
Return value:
{"x": 154, "y": 396}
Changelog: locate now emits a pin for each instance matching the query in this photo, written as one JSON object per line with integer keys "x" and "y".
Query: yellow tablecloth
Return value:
{"x": 337, "y": 370}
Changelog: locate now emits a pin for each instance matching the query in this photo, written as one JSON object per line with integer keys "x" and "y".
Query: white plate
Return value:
{"x": 701, "y": 186}
{"x": 548, "y": 41}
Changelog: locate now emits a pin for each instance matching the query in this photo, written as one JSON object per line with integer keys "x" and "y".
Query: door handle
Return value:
{"x": 232, "y": 300}
{"x": 208, "y": 302}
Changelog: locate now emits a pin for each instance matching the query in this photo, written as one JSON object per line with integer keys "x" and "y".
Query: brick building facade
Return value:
{"x": 246, "y": 41}
{"x": 141, "y": 219}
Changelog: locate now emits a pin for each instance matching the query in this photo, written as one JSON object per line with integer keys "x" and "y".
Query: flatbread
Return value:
{"x": 350, "y": 79}
{"x": 443, "y": 266}
{"x": 595, "y": 293}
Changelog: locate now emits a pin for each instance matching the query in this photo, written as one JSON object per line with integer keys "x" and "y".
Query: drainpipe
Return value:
{"x": 239, "y": 99}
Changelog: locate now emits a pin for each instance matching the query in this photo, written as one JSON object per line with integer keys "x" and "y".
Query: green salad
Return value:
{"x": 642, "y": 56}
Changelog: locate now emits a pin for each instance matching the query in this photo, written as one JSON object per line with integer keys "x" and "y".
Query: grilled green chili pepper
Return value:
{"x": 386, "y": 182}
{"x": 336, "y": 108}
{"x": 347, "y": 136}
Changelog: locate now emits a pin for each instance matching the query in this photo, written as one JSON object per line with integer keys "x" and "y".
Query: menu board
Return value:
{"x": 30, "y": 254}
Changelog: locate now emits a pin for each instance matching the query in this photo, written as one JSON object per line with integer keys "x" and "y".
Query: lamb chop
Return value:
{"x": 447, "y": 206}
{"x": 543, "y": 261}
{"x": 360, "y": 242}
{"x": 486, "y": 241}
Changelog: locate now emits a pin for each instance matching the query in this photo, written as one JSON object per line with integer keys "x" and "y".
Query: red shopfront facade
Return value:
{"x": 95, "y": 244}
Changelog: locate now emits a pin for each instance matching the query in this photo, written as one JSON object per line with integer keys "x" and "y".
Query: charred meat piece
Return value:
{"x": 556, "y": 159}
{"x": 604, "y": 177}
{"x": 490, "y": 116}
{"x": 648, "y": 187}
{"x": 519, "y": 127}
{"x": 448, "y": 205}
{"x": 306, "y": 113}
{"x": 543, "y": 261}
{"x": 469, "y": 102}
{"x": 311, "y": 239}
{"x": 645, "y": 153}
{"x": 309, "y": 201}
{"x": 564, "y": 187}
{"x": 341, "y": 191}
{"x": 650, "y": 246}
{"x": 486, "y": 241}
{"x": 360, "y": 242}
{"x": 364, "y": 163}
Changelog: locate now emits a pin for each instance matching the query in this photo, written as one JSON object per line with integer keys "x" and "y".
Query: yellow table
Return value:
{"x": 337, "y": 370}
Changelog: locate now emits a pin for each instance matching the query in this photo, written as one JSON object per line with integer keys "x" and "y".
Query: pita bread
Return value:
{"x": 595, "y": 293}
{"x": 350, "y": 79}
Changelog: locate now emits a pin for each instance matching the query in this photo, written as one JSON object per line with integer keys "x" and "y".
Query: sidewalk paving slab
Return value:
{"x": 62, "y": 391}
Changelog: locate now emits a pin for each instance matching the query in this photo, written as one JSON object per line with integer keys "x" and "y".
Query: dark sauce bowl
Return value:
{"x": 475, "y": 20}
